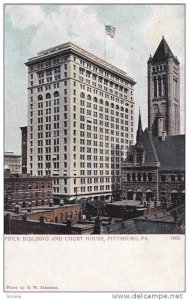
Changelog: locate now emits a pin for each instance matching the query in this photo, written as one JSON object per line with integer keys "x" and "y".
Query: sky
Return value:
{"x": 29, "y": 29}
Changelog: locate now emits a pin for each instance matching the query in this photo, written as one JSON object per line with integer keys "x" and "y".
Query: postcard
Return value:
{"x": 94, "y": 149}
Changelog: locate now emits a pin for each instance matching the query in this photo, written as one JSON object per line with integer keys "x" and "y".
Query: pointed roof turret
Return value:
{"x": 150, "y": 59}
{"x": 139, "y": 130}
{"x": 163, "y": 52}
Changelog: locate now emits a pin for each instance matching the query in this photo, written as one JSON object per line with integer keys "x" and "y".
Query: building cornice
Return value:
{"x": 72, "y": 48}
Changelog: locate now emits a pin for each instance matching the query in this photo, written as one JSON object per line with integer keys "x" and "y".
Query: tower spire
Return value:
{"x": 139, "y": 130}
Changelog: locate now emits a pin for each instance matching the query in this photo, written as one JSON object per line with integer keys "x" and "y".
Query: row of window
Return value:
{"x": 149, "y": 177}
{"x": 24, "y": 195}
{"x": 172, "y": 178}
{"x": 139, "y": 177}
{"x": 101, "y": 72}
{"x": 107, "y": 103}
{"x": 159, "y": 68}
{"x": 28, "y": 186}
{"x": 48, "y": 63}
{"x": 99, "y": 86}
{"x": 96, "y": 69}
{"x": 82, "y": 142}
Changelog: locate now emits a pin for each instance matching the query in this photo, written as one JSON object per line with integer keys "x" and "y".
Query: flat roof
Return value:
{"x": 126, "y": 203}
{"x": 71, "y": 47}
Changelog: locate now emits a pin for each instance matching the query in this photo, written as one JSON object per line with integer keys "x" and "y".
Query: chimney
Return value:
{"x": 24, "y": 217}
{"x": 163, "y": 136}
{"x": 42, "y": 219}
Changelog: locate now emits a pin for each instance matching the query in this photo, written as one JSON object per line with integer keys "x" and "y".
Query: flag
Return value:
{"x": 110, "y": 30}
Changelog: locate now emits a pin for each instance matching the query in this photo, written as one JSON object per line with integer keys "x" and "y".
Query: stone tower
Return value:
{"x": 164, "y": 90}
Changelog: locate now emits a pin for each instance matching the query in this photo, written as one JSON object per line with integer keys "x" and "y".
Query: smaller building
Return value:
{"x": 47, "y": 220}
{"x": 52, "y": 214}
{"x": 95, "y": 208}
{"x": 13, "y": 161}
{"x": 125, "y": 209}
{"x": 27, "y": 191}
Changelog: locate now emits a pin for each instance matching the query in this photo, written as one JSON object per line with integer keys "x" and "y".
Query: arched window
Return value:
{"x": 117, "y": 106}
{"x": 95, "y": 99}
{"x": 82, "y": 95}
{"x": 159, "y": 86}
{"x": 139, "y": 177}
{"x": 106, "y": 103}
{"x": 149, "y": 195}
{"x": 130, "y": 195}
{"x": 133, "y": 177}
{"x": 144, "y": 176}
{"x": 174, "y": 196}
{"x": 101, "y": 101}
{"x": 164, "y": 86}
{"x": 128, "y": 177}
{"x": 149, "y": 177}
{"x": 163, "y": 178}
{"x": 172, "y": 177}
{"x": 155, "y": 87}
{"x": 122, "y": 109}
{"x": 88, "y": 97}
{"x": 56, "y": 94}
{"x": 139, "y": 195}
{"x": 40, "y": 97}
{"x": 48, "y": 96}
{"x": 112, "y": 105}
{"x": 126, "y": 110}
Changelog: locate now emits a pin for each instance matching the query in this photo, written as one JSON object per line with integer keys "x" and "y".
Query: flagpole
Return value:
{"x": 104, "y": 44}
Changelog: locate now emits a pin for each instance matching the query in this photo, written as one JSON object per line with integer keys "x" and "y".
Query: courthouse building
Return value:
{"x": 155, "y": 166}
{"x": 80, "y": 121}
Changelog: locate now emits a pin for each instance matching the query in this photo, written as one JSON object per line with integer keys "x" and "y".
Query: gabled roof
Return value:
{"x": 171, "y": 152}
{"x": 147, "y": 142}
{"x": 96, "y": 204}
{"x": 163, "y": 52}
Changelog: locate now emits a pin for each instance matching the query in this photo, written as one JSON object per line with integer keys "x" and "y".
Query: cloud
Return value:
{"x": 23, "y": 16}
{"x": 70, "y": 23}
{"x": 80, "y": 25}
{"x": 168, "y": 21}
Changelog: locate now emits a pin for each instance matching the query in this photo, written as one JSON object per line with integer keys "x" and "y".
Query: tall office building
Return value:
{"x": 80, "y": 121}
{"x": 164, "y": 91}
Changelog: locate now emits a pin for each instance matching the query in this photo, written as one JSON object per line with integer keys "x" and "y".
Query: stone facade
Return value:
{"x": 164, "y": 90}
{"x": 140, "y": 182}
